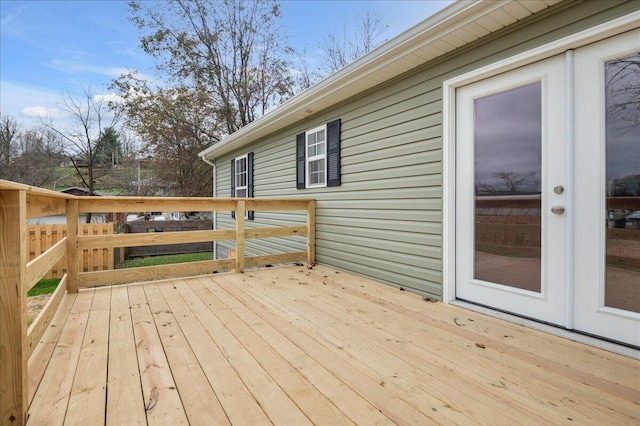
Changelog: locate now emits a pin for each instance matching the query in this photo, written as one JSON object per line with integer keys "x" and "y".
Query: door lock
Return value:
{"x": 559, "y": 189}
{"x": 557, "y": 210}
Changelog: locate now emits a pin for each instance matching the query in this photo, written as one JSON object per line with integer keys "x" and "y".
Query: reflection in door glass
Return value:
{"x": 508, "y": 150}
{"x": 622, "y": 89}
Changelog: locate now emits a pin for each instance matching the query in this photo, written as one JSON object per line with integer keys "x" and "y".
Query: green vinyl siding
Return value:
{"x": 385, "y": 220}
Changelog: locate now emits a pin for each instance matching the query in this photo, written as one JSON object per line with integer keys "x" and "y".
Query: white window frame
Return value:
{"x": 246, "y": 173}
{"x": 308, "y": 160}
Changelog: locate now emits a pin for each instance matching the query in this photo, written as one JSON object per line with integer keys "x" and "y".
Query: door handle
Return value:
{"x": 557, "y": 210}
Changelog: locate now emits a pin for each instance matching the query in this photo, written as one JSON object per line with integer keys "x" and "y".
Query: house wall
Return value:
{"x": 385, "y": 220}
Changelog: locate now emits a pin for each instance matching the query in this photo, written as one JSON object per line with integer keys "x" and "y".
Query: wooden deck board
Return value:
{"x": 295, "y": 346}
{"x": 89, "y": 390}
{"x": 125, "y": 401}
{"x": 161, "y": 399}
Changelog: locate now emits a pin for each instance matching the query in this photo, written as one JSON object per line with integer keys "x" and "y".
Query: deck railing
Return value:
{"x": 18, "y": 275}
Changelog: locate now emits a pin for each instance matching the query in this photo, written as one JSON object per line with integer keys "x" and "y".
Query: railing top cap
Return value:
{"x": 6, "y": 185}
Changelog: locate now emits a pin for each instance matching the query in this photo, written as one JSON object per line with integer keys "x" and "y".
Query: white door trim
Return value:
{"x": 608, "y": 29}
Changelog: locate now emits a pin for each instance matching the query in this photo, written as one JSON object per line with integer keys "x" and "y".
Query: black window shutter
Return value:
{"x": 233, "y": 183}
{"x": 300, "y": 161}
{"x": 250, "y": 213}
{"x": 333, "y": 153}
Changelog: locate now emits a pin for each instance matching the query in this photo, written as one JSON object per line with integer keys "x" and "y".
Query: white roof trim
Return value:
{"x": 458, "y": 24}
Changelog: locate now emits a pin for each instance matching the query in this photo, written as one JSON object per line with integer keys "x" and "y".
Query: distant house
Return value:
{"x": 463, "y": 160}
{"x": 61, "y": 219}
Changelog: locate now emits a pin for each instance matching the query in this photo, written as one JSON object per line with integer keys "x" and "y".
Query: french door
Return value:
{"x": 546, "y": 223}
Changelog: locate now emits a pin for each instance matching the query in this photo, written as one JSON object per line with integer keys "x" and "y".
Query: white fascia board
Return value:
{"x": 335, "y": 88}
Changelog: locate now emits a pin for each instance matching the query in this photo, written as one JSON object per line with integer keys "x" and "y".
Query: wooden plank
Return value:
{"x": 50, "y": 402}
{"x": 146, "y": 273}
{"x": 311, "y": 233}
{"x": 237, "y": 401}
{"x": 41, "y": 265}
{"x": 161, "y": 400}
{"x": 31, "y": 190}
{"x": 110, "y": 253}
{"x": 72, "y": 246}
{"x": 308, "y": 398}
{"x": 510, "y": 338}
{"x": 280, "y": 231}
{"x": 41, "y": 206}
{"x": 39, "y": 359}
{"x": 240, "y": 230}
{"x": 273, "y": 400}
{"x": 32, "y": 242}
{"x": 152, "y": 204}
{"x": 274, "y": 259}
{"x": 45, "y": 316}
{"x": 389, "y": 404}
{"x": 628, "y": 203}
{"x": 154, "y": 238}
{"x": 392, "y": 373}
{"x": 125, "y": 402}
{"x": 346, "y": 399}
{"x": 14, "y": 239}
{"x": 200, "y": 402}
{"x": 48, "y": 242}
{"x": 89, "y": 391}
{"x": 393, "y": 358}
{"x": 508, "y": 365}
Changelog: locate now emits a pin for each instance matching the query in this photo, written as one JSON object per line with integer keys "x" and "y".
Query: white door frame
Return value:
{"x": 565, "y": 44}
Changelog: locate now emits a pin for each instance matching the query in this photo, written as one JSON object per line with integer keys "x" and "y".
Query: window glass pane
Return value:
{"x": 320, "y": 148}
{"x": 316, "y": 172}
{"x": 622, "y": 95}
{"x": 321, "y": 137}
{"x": 508, "y": 150}
{"x": 241, "y": 193}
{"x": 312, "y": 151}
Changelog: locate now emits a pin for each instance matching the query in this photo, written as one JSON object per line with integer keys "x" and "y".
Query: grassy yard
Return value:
{"x": 166, "y": 260}
{"x": 44, "y": 287}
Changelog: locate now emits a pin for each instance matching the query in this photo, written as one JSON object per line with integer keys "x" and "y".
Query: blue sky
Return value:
{"x": 47, "y": 47}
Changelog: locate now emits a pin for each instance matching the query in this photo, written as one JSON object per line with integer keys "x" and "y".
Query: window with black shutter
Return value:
{"x": 318, "y": 156}
{"x": 242, "y": 180}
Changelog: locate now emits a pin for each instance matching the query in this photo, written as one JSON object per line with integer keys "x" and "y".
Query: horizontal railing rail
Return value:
{"x": 22, "y": 366}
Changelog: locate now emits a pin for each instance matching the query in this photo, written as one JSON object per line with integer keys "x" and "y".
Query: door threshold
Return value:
{"x": 606, "y": 345}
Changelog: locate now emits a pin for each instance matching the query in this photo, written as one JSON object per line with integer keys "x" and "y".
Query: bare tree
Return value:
{"x": 38, "y": 157}
{"x": 89, "y": 115}
{"x": 354, "y": 41}
{"x": 9, "y": 132}
{"x": 27, "y": 156}
{"x": 304, "y": 76}
{"x": 510, "y": 183}
{"x": 623, "y": 91}
{"x": 232, "y": 50}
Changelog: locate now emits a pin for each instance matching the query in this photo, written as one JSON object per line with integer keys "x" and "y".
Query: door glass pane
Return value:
{"x": 622, "y": 284}
{"x": 508, "y": 165}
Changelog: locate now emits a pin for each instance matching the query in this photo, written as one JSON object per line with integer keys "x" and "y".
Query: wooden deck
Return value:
{"x": 294, "y": 346}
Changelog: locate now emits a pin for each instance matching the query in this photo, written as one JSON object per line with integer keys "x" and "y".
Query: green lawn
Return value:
{"x": 44, "y": 287}
{"x": 166, "y": 260}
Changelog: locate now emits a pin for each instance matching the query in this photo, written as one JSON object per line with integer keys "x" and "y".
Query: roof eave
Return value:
{"x": 333, "y": 89}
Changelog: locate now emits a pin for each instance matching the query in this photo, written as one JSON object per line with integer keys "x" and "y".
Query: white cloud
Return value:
{"x": 15, "y": 98}
{"x": 108, "y": 97}
{"x": 43, "y": 112}
{"x": 70, "y": 66}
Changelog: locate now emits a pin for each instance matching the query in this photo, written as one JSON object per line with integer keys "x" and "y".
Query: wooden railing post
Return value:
{"x": 311, "y": 233}
{"x": 13, "y": 307}
{"x": 73, "y": 277}
{"x": 240, "y": 212}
